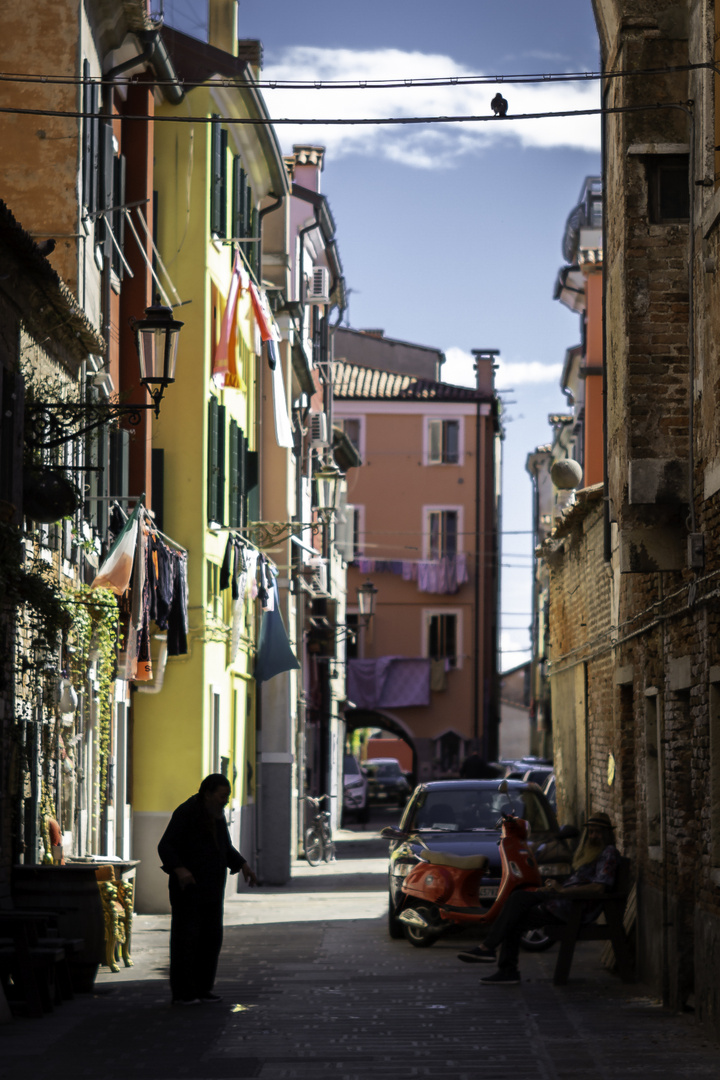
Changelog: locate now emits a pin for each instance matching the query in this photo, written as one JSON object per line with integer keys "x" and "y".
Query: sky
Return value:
{"x": 449, "y": 234}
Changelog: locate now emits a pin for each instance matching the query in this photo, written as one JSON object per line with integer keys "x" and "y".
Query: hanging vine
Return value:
{"x": 94, "y": 639}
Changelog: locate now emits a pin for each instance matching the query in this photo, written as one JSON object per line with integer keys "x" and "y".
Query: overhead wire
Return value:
{"x": 335, "y": 121}
{"x": 392, "y": 83}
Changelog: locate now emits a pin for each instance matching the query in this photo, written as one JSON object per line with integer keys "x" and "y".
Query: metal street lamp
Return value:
{"x": 156, "y": 338}
{"x": 53, "y": 423}
{"x": 328, "y": 489}
{"x": 366, "y": 594}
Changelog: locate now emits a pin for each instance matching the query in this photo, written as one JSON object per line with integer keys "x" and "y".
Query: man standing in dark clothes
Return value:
{"x": 196, "y": 853}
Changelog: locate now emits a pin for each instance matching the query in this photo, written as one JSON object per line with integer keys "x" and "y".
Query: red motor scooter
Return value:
{"x": 443, "y": 889}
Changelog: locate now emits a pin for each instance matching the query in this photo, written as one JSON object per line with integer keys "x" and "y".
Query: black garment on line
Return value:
{"x": 177, "y": 617}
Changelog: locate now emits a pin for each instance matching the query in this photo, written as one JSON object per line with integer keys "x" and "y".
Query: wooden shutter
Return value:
{"x": 212, "y": 503}
{"x": 218, "y": 179}
{"x": 221, "y": 465}
{"x": 239, "y": 198}
{"x": 451, "y": 448}
{"x": 242, "y": 477}
{"x": 252, "y": 481}
{"x": 234, "y": 493}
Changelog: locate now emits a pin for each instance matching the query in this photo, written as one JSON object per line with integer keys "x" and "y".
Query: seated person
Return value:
{"x": 594, "y": 869}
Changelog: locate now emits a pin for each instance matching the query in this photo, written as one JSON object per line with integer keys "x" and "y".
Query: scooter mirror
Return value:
{"x": 503, "y": 787}
{"x": 390, "y": 832}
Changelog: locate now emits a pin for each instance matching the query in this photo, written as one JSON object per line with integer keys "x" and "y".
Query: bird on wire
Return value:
{"x": 499, "y": 105}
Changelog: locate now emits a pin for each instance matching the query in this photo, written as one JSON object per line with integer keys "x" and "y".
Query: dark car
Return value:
{"x": 463, "y": 817}
{"x": 387, "y": 782}
{"x": 533, "y": 770}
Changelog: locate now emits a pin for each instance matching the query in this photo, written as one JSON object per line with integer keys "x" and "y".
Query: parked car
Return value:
{"x": 355, "y": 788}
{"x": 387, "y": 782}
{"x": 463, "y": 817}
{"x": 533, "y": 770}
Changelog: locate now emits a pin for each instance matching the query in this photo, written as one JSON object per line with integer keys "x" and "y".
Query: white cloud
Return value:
{"x": 420, "y": 146}
{"x": 458, "y": 369}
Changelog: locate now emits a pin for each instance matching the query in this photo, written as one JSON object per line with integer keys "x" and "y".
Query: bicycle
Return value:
{"x": 318, "y": 838}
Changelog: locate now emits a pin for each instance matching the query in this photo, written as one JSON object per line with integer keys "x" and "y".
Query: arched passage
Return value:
{"x": 376, "y": 718}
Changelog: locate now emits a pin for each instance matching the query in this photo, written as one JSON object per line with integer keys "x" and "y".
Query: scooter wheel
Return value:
{"x": 536, "y": 940}
{"x": 418, "y": 935}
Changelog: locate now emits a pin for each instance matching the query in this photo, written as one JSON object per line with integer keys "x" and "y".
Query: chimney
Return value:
{"x": 309, "y": 162}
{"x": 484, "y": 369}
{"x": 222, "y": 25}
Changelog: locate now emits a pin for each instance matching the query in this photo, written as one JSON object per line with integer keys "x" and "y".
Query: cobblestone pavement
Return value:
{"x": 313, "y": 987}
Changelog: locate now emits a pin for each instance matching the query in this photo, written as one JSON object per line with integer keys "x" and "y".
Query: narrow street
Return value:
{"x": 314, "y": 987}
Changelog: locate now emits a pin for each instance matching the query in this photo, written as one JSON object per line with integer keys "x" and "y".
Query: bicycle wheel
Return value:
{"x": 329, "y": 849}
{"x": 313, "y": 846}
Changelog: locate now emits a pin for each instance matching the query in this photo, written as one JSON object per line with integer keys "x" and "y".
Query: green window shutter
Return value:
{"x": 218, "y": 178}
{"x": 221, "y": 465}
{"x": 252, "y": 482}
{"x": 242, "y": 477}
{"x": 212, "y": 509}
{"x": 234, "y": 475}
{"x": 239, "y": 198}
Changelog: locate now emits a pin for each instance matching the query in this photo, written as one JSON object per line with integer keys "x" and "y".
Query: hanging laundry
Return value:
{"x": 283, "y": 427}
{"x": 263, "y": 315}
{"x": 178, "y": 616}
{"x": 274, "y": 654}
{"x": 116, "y": 571}
{"x": 226, "y": 568}
{"x": 225, "y": 373}
{"x": 251, "y": 560}
{"x": 262, "y": 591}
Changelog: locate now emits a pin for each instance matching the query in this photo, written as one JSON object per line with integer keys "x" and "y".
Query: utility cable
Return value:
{"x": 346, "y": 121}
{"x": 398, "y": 83}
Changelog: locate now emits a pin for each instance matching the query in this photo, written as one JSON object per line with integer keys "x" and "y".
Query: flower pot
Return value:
{"x": 49, "y": 495}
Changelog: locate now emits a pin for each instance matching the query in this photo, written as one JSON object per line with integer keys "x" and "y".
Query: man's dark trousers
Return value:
{"x": 524, "y": 910}
{"x": 196, "y": 935}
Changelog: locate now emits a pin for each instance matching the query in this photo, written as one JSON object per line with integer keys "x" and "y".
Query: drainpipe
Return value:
{"x": 279, "y": 200}
{"x": 607, "y": 542}
{"x": 476, "y": 636}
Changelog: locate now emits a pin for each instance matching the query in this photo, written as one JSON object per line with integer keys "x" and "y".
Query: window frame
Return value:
{"x": 428, "y": 512}
{"x": 431, "y": 422}
{"x": 430, "y": 613}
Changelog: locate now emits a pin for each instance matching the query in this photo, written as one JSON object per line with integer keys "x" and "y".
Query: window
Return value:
{"x": 442, "y": 637}
{"x": 668, "y": 188}
{"x": 214, "y": 595}
{"x": 443, "y": 442}
{"x": 443, "y": 534}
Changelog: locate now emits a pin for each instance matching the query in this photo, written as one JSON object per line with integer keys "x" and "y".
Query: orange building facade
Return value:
{"x": 425, "y": 505}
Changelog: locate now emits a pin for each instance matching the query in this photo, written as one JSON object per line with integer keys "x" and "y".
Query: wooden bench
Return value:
{"x": 612, "y": 929}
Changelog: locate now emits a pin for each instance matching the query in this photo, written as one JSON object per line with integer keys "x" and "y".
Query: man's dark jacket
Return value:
{"x": 202, "y": 845}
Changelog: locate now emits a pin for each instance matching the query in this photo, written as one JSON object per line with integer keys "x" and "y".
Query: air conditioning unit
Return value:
{"x": 318, "y": 429}
{"x": 319, "y": 286}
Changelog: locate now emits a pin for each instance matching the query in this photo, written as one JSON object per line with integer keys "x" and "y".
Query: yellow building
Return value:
{"x": 212, "y": 176}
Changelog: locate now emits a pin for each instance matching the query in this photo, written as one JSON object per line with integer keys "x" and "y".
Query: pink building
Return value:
{"x": 425, "y": 505}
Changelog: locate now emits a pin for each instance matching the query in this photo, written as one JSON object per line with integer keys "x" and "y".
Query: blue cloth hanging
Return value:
{"x": 274, "y": 654}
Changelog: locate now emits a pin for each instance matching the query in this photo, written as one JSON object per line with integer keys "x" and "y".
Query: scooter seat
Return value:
{"x": 460, "y": 862}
